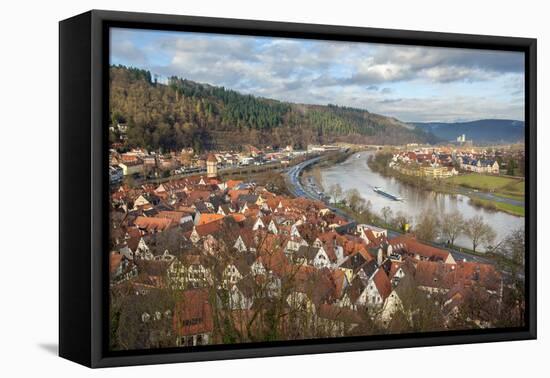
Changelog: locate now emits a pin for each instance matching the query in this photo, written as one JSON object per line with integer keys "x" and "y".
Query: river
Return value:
{"x": 355, "y": 173}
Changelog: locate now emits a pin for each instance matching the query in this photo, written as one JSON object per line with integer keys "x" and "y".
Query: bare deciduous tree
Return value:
{"x": 452, "y": 226}
{"x": 386, "y": 214}
{"x": 427, "y": 226}
{"x": 335, "y": 191}
{"x": 479, "y": 232}
{"x": 354, "y": 199}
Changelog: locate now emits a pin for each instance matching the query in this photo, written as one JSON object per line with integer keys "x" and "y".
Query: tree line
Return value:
{"x": 182, "y": 113}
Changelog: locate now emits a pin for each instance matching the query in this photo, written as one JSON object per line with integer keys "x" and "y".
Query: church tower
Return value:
{"x": 211, "y": 166}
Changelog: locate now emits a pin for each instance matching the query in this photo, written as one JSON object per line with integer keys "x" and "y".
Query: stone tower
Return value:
{"x": 211, "y": 166}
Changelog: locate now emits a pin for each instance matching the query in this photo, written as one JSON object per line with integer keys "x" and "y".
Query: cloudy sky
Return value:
{"x": 410, "y": 83}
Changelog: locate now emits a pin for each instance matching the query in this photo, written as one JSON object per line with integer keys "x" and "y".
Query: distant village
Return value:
{"x": 442, "y": 162}
{"x": 200, "y": 260}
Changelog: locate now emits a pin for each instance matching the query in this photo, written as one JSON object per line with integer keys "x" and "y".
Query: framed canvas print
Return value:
{"x": 233, "y": 188}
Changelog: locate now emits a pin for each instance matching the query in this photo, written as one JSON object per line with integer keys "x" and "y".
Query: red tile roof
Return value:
{"x": 153, "y": 224}
{"x": 434, "y": 274}
{"x": 209, "y": 218}
{"x": 175, "y": 216}
{"x": 339, "y": 314}
{"x": 382, "y": 283}
{"x": 114, "y": 261}
{"x": 234, "y": 194}
{"x": 230, "y": 184}
{"x": 209, "y": 228}
{"x": 198, "y": 195}
{"x": 193, "y": 313}
{"x": 238, "y": 217}
{"x": 413, "y": 246}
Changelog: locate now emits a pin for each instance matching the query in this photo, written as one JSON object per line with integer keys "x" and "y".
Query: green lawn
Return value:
{"x": 511, "y": 209}
{"x": 505, "y": 185}
{"x": 517, "y": 187}
{"x": 494, "y": 205}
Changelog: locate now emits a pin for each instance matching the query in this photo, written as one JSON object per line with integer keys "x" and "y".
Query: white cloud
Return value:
{"x": 409, "y": 82}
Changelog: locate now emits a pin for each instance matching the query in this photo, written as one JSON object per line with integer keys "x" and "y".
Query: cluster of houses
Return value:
{"x": 228, "y": 248}
{"x": 479, "y": 165}
{"x": 442, "y": 162}
{"x": 424, "y": 163}
{"x": 138, "y": 161}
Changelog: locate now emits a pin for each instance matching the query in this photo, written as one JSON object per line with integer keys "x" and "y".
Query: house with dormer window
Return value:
{"x": 377, "y": 289}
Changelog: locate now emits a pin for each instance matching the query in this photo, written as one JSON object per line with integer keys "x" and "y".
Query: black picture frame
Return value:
{"x": 83, "y": 228}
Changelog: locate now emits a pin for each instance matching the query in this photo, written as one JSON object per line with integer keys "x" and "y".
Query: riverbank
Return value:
{"x": 508, "y": 208}
{"x": 458, "y": 252}
{"x": 492, "y": 193}
{"x": 312, "y": 173}
{"x": 355, "y": 173}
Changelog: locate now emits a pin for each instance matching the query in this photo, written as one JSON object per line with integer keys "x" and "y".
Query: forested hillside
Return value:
{"x": 184, "y": 113}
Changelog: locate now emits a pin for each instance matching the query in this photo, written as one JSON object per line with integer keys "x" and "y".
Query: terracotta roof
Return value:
{"x": 175, "y": 216}
{"x": 434, "y": 274}
{"x": 473, "y": 272}
{"x": 338, "y": 278}
{"x": 355, "y": 289}
{"x": 395, "y": 265}
{"x": 273, "y": 258}
{"x": 247, "y": 236}
{"x": 198, "y": 195}
{"x": 209, "y": 218}
{"x": 211, "y": 158}
{"x": 134, "y": 232}
{"x": 208, "y": 228}
{"x": 340, "y": 314}
{"x": 230, "y": 184}
{"x": 373, "y": 240}
{"x": 238, "y": 217}
{"x": 133, "y": 243}
{"x": 382, "y": 283}
{"x": 153, "y": 224}
{"x": 114, "y": 261}
{"x": 234, "y": 194}
{"x": 315, "y": 284}
{"x": 413, "y": 246}
{"x": 307, "y": 252}
{"x": 193, "y": 313}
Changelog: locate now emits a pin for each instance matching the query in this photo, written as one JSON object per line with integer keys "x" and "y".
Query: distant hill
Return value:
{"x": 183, "y": 113}
{"x": 482, "y": 131}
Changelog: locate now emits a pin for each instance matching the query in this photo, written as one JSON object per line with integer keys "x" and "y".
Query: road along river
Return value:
{"x": 355, "y": 173}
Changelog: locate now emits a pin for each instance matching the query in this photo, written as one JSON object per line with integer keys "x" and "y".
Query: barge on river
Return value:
{"x": 386, "y": 194}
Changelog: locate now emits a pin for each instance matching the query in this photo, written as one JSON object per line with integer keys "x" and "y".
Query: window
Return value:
{"x": 190, "y": 322}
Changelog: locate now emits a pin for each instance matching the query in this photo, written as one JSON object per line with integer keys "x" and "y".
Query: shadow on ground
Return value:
{"x": 51, "y": 348}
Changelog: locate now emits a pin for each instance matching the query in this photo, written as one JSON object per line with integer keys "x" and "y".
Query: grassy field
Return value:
{"x": 486, "y": 182}
{"x": 507, "y": 187}
{"x": 518, "y": 187}
{"x": 494, "y": 205}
